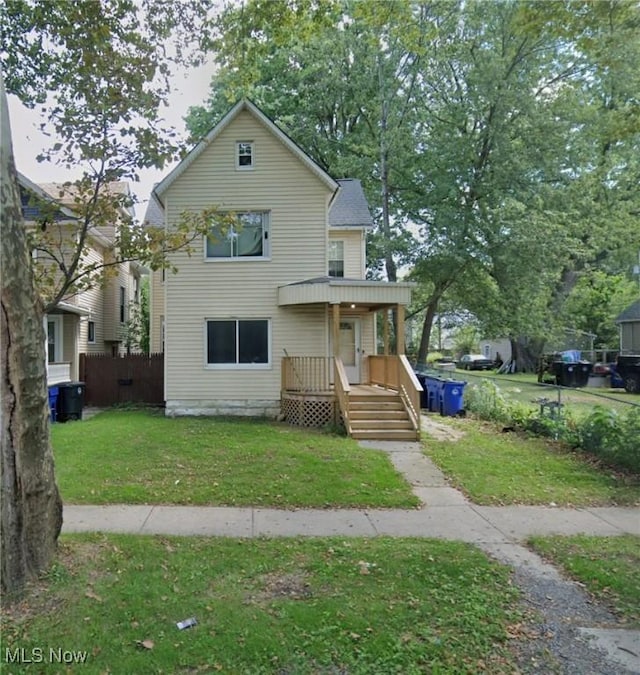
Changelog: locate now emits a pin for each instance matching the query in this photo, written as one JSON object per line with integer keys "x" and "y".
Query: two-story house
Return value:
{"x": 92, "y": 320}
{"x": 275, "y": 316}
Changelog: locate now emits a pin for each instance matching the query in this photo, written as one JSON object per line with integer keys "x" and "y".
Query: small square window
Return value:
{"x": 91, "y": 332}
{"x": 244, "y": 155}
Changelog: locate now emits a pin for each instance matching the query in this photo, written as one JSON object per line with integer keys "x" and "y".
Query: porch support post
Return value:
{"x": 336, "y": 330}
{"x": 385, "y": 330}
{"x": 400, "y": 346}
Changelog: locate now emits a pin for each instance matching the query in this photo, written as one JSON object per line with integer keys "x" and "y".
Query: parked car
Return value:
{"x": 475, "y": 362}
{"x": 628, "y": 368}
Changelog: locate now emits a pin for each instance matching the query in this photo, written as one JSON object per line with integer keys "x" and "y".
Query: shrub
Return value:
{"x": 609, "y": 435}
{"x": 612, "y": 436}
{"x": 486, "y": 400}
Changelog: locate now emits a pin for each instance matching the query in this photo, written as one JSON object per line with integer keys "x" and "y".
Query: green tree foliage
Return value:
{"x": 595, "y": 302}
{"x": 497, "y": 140}
{"x": 340, "y": 78}
{"x": 99, "y": 73}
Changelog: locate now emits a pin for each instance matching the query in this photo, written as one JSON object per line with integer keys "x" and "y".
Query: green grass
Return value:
{"x": 607, "y": 566}
{"x": 139, "y": 457}
{"x": 506, "y": 468}
{"x": 298, "y": 606}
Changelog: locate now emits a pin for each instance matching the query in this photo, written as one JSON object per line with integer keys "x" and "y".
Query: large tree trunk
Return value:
{"x": 425, "y": 338}
{"x": 31, "y": 508}
{"x": 525, "y": 353}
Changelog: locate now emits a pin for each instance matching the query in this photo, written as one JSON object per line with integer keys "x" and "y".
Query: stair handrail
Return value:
{"x": 409, "y": 389}
{"x": 343, "y": 390}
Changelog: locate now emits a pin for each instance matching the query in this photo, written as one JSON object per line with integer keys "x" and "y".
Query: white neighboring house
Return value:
{"x": 92, "y": 321}
{"x": 496, "y": 349}
{"x": 276, "y": 317}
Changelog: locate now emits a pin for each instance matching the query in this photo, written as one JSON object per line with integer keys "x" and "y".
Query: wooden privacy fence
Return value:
{"x": 135, "y": 378}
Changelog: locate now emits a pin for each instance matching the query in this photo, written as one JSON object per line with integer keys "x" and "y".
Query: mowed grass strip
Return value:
{"x": 607, "y": 566}
{"x": 496, "y": 468}
{"x": 271, "y": 606}
{"x": 142, "y": 457}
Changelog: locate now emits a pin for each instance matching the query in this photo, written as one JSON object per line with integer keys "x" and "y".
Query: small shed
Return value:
{"x": 629, "y": 323}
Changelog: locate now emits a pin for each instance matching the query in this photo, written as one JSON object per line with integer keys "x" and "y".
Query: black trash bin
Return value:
{"x": 70, "y": 401}
{"x": 424, "y": 395}
{"x": 572, "y": 374}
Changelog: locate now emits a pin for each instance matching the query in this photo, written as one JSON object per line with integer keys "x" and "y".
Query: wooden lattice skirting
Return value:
{"x": 308, "y": 410}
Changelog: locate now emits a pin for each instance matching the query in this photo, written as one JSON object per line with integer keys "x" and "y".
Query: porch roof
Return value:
{"x": 69, "y": 308}
{"x": 335, "y": 291}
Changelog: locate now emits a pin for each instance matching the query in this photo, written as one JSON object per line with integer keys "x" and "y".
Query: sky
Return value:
{"x": 189, "y": 89}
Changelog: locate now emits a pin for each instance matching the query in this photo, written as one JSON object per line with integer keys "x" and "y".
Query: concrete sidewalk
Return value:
{"x": 445, "y": 514}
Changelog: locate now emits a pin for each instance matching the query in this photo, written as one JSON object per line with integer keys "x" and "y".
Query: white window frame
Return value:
{"x": 236, "y": 365}
{"x": 266, "y": 241}
{"x": 89, "y": 340}
{"x": 241, "y": 147}
{"x": 336, "y": 242}
{"x": 58, "y": 329}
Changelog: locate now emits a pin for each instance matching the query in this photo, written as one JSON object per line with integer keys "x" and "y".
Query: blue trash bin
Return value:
{"x": 433, "y": 393}
{"x": 53, "y": 402}
{"x": 451, "y": 402}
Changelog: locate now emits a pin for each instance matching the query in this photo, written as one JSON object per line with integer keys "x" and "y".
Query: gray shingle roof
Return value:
{"x": 154, "y": 214}
{"x": 631, "y": 313}
{"x": 350, "y": 208}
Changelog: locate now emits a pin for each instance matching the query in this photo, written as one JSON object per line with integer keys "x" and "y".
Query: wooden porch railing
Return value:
{"x": 343, "y": 390}
{"x": 383, "y": 371}
{"x": 307, "y": 373}
{"x": 395, "y": 372}
{"x": 409, "y": 389}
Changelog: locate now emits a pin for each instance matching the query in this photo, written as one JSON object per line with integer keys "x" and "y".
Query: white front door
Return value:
{"x": 350, "y": 351}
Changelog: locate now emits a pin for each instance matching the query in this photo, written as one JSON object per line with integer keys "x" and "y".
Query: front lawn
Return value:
{"x": 607, "y": 566}
{"x": 493, "y": 467}
{"x": 302, "y": 606}
{"x": 142, "y": 457}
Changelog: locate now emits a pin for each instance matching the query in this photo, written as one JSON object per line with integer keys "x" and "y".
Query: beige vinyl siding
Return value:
{"x": 156, "y": 311}
{"x": 297, "y": 202}
{"x": 113, "y": 328}
{"x": 354, "y": 251}
{"x": 93, "y": 300}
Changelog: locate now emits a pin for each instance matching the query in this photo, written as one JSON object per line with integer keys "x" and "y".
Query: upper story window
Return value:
{"x": 244, "y": 155}
{"x": 249, "y": 239}
{"x": 91, "y": 332}
{"x": 336, "y": 259}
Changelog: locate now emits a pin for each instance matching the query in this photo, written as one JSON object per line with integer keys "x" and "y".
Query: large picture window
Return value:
{"x": 248, "y": 239}
{"x": 238, "y": 342}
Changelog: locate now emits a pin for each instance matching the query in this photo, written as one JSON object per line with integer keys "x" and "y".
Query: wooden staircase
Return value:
{"x": 380, "y": 416}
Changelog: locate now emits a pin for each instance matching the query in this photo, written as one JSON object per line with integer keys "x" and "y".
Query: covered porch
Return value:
{"x": 373, "y": 395}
